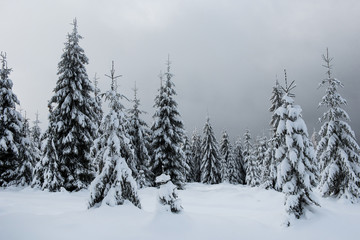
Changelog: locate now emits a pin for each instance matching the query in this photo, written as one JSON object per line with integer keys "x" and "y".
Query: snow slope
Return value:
{"x": 218, "y": 212}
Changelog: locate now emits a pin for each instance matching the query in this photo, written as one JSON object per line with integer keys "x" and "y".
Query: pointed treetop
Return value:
{"x": 224, "y": 132}
{"x": 327, "y": 60}
{"x": 161, "y": 78}
{"x": 73, "y": 37}
{"x": 25, "y": 119}
{"x": 96, "y": 86}
{"x": 289, "y": 87}
{"x": 168, "y": 63}
{"x": 36, "y": 122}
{"x": 113, "y": 78}
{"x": 96, "y": 78}
{"x": 3, "y": 60}
{"x": 74, "y": 23}
{"x": 207, "y": 118}
{"x": 135, "y": 91}
{"x": 75, "y": 31}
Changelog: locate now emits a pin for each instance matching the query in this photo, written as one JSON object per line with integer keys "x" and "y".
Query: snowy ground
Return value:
{"x": 214, "y": 212}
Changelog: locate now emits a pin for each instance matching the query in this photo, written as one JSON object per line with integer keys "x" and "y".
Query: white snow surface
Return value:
{"x": 221, "y": 211}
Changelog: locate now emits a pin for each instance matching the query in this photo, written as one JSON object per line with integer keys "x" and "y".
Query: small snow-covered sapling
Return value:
{"x": 167, "y": 194}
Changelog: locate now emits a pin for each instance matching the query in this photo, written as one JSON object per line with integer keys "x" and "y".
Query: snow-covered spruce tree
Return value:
{"x": 33, "y": 146}
{"x": 195, "y": 156}
{"x": 239, "y": 159}
{"x": 295, "y": 155}
{"x": 188, "y": 159}
{"x": 168, "y": 133}
{"x": 98, "y": 118}
{"x": 268, "y": 173}
{"x": 12, "y": 135}
{"x": 74, "y": 115}
{"x": 233, "y": 168}
{"x": 47, "y": 174}
{"x": 225, "y": 151}
{"x": 260, "y": 156}
{"x": 276, "y": 102}
{"x": 114, "y": 182}
{"x": 98, "y": 102}
{"x": 337, "y": 150}
{"x": 52, "y": 179}
{"x": 247, "y": 150}
{"x": 29, "y": 155}
{"x": 38, "y": 174}
{"x": 35, "y": 133}
{"x": 270, "y": 164}
{"x": 210, "y": 157}
{"x": 156, "y": 139}
{"x": 138, "y": 132}
{"x": 36, "y": 140}
{"x": 254, "y": 163}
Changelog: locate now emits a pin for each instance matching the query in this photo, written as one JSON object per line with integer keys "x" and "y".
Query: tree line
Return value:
{"x": 114, "y": 153}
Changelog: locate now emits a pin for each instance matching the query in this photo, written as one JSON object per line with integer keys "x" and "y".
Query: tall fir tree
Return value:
{"x": 114, "y": 182}
{"x": 139, "y": 132}
{"x": 168, "y": 133}
{"x": 226, "y": 154}
{"x": 73, "y": 115}
{"x": 295, "y": 156}
{"x": 195, "y": 156}
{"x": 337, "y": 150}
{"x": 239, "y": 159}
{"x": 211, "y": 157}
{"x": 12, "y": 134}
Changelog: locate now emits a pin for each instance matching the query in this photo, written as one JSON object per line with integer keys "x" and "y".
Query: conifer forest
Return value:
{"x": 100, "y": 166}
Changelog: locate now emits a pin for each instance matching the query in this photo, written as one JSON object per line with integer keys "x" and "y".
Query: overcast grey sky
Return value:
{"x": 225, "y": 54}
